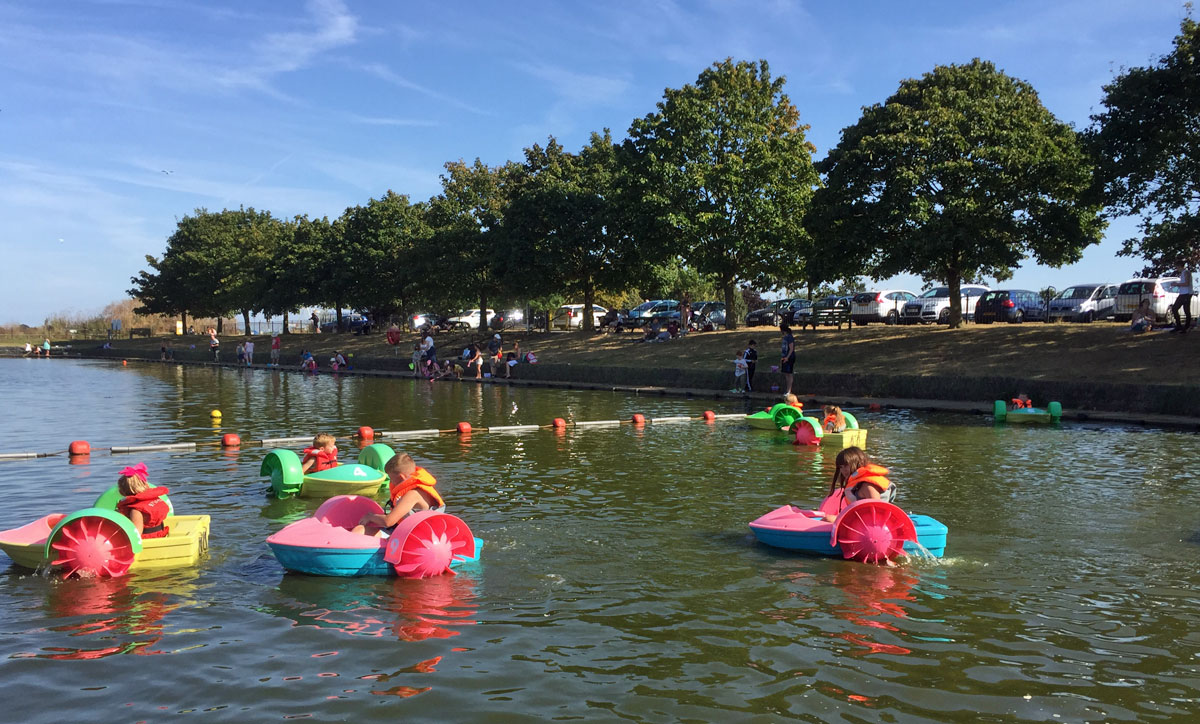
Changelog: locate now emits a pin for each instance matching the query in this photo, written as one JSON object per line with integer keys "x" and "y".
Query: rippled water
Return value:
{"x": 618, "y": 580}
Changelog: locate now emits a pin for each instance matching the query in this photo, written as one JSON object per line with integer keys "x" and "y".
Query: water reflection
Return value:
{"x": 404, "y": 609}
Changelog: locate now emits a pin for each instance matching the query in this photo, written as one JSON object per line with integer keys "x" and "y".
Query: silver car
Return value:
{"x": 934, "y": 305}
{"x": 1083, "y": 303}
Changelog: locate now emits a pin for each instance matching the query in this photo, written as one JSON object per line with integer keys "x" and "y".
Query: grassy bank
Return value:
{"x": 1096, "y": 366}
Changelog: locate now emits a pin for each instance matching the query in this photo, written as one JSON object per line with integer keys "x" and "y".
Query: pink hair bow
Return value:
{"x": 139, "y": 470}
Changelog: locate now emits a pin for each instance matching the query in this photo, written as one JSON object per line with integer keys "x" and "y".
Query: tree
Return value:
{"x": 729, "y": 175}
{"x": 960, "y": 174}
{"x": 466, "y": 218}
{"x": 1147, "y": 140}
{"x": 564, "y": 228}
{"x": 377, "y": 241}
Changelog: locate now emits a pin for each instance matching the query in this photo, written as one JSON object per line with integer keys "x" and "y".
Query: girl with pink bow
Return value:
{"x": 143, "y": 505}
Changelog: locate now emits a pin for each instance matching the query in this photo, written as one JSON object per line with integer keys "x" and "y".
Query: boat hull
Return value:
{"x": 348, "y": 479}
{"x": 184, "y": 546}
{"x": 316, "y": 561}
{"x": 795, "y": 529}
{"x": 848, "y": 438}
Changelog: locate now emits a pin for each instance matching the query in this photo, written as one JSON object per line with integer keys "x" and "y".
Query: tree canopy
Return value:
{"x": 1147, "y": 139}
{"x": 960, "y": 174}
{"x": 728, "y": 174}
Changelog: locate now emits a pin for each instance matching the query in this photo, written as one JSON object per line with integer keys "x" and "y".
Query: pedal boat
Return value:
{"x": 365, "y": 477}
{"x": 424, "y": 544}
{"x": 808, "y": 432}
{"x": 99, "y": 541}
{"x": 1028, "y": 415}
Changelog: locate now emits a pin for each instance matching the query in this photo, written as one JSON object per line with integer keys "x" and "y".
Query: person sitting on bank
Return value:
{"x": 1143, "y": 318}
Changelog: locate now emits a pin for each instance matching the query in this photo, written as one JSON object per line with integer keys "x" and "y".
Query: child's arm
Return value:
{"x": 138, "y": 520}
{"x": 307, "y": 465}
{"x": 401, "y": 508}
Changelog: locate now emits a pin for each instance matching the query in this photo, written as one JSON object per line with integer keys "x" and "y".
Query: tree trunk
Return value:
{"x": 483, "y": 321}
{"x": 220, "y": 324}
{"x": 183, "y": 320}
{"x": 285, "y": 323}
{"x": 731, "y": 320}
{"x": 588, "y": 323}
{"x": 246, "y": 321}
{"x": 954, "y": 282}
{"x": 338, "y": 327}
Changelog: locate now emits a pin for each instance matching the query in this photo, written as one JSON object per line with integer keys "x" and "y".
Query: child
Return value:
{"x": 1021, "y": 401}
{"x": 510, "y": 363}
{"x": 275, "y": 345}
{"x": 417, "y": 362}
{"x": 751, "y": 363}
{"x": 834, "y": 420}
{"x": 739, "y": 372}
{"x": 410, "y": 489}
{"x": 321, "y": 456}
{"x": 794, "y": 401}
{"x": 142, "y": 504}
{"x": 855, "y": 478}
{"x": 241, "y": 353}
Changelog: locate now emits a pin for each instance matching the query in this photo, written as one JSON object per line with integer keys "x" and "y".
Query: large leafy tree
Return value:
{"x": 467, "y": 237}
{"x": 565, "y": 229}
{"x": 376, "y": 245}
{"x": 292, "y": 277}
{"x": 961, "y": 173}
{"x": 729, "y": 175}
{"x": 1147, "y": 140}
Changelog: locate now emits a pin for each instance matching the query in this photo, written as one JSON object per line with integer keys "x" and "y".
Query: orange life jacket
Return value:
{"x": 153, "y": 508}
{"x": 1018, "y": 403}
{"x": 871, "y": 474}
{"x": 419, "y": 480}
{"x": 834, "y": 420}
{"x": 324, "y": 460}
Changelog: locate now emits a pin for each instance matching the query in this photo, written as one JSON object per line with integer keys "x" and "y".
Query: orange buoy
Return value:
{"x": 124, "y": 363}
{"x": 559, "y": 423}
{"x": 709, "y": 416}
{"x": 464, "y": 428}
{"x": 638, "y": 419}
{"x": 366, "y": 433}
{"x": 79, "y": 447}
{"x": 230, "y": 440}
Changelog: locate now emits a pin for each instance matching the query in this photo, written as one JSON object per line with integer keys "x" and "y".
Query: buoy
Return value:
{"x": 366, "y": 433}
{"x": 124, "y": 363}
{"x": 638, "y": 419}
{"x": 215, "y": 413}
{"x": 230, "y": 440}
{"x": 464, "y": 428}
{"x": 79, "y": 447}
{"x": 874, "y": 407}
{"x": 559, "y": 423}
{"x": 79, "y": 460}
{"x": 709, "y": 416}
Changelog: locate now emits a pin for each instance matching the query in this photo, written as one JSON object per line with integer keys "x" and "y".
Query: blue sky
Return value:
{"x": 120, "y": 116}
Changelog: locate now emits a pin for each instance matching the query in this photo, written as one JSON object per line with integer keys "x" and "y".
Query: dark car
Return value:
{"x": 644, "y": 312}
{"x": 1009, "y": 305}
{"x": 770, "y": 315}
{"x": 803, "y": 317}
{"x": 355, "y": 322}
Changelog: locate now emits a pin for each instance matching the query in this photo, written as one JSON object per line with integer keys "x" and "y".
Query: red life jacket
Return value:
{"x": 419, "y": 480}
{"x": 1018, "y": 403}
{"x": 153, "y": 508}
{"x": 324, "y": 460}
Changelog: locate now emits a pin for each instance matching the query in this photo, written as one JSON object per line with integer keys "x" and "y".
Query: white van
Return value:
{"x": 1083, "y": 303}
{"x": 1161, "y": 292}
{"x": 934, "y": 305}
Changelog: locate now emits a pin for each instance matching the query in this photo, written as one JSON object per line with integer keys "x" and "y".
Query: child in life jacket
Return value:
{"x": 834, "y": 420}
{"x": 410, "y": 489}
{"x": 321, "y": 456}
{"x": 794, "y": 401}
{"x": 143, "y": 504}
{"x": 855, "y": 478}
{"x": 1021, "y": 401}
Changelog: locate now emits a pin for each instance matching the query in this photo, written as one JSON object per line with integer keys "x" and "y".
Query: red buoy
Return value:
{"x": 709, "y": 416}
{"x": 366, "y": 433}
{"x": 79, "y": 447}
{"x": 124, "y": 363}
{"x": 230, "y": 440}
{"x": 874, "y": 407}
{"x": 464, "y": 428}
{"x": 639, "y": 419}
{"x": 559, "y": 423}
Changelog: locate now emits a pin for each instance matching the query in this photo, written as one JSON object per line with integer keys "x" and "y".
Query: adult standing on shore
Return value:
{"x": 316, "y": 322}
{"x": 1184, "y": 287}
{"x": 214, "y": 344}
{"x": 275, "y": 350}
{"x": 46, "y": 347}
{"x": 787, "y": 357}
{"x": 428, "y": 350}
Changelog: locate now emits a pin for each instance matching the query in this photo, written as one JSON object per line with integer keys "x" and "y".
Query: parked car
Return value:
{"x": 713, "y": 311}
{"x": 469, "y": 318}
{"x": 1009, "y": 305}
{"x": 1084, "y": 303}
{"x": 803, "y": 316}
{"x": 353, "y": 322}
{"x": 934, "y": 305}
{"x": 881, "y": 306}
{"x": 507, "y": 320}
{"x": 642, "y": 313}
{"x": 1161, "y": 292}
{"x": 768, "y": 315}
{"x": 570, "y": 316}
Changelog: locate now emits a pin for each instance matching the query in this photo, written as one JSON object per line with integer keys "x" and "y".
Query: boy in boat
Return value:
{"x": 143, "y": 504}
{"x": 321, "y": 456}
{"x": 1021, "y": 401}
{"x": 410, "y": 489}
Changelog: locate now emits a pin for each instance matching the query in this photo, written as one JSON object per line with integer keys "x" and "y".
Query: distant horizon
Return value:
{"x": 122, "y": 116}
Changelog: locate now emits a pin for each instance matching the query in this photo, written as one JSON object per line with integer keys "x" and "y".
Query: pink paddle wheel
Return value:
{"x": 424, "y": 544}
{"x": 872, "y": 531}
{"x": 92, "y": 546}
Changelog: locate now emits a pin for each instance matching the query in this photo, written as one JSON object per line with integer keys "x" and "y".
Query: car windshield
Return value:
{"x": 936, "y": 292}
{"x": 642, "y": 307}
{"x": 1076, "y": 293}
{"x": 1136, "y": 287}
{"x": 993, "y": 296}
